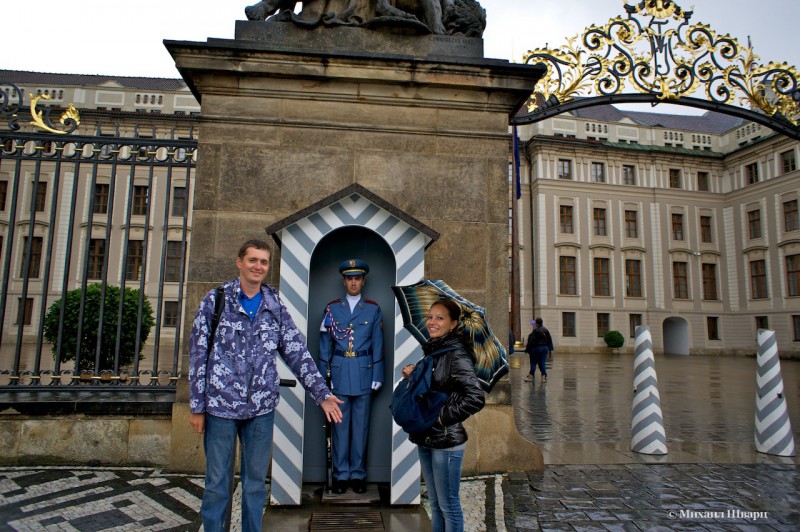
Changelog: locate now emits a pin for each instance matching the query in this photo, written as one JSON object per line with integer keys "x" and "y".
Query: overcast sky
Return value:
{"x": 107, "y": 37}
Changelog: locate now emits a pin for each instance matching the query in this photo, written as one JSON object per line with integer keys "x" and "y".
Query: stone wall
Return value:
{"x": 85, "y": 440}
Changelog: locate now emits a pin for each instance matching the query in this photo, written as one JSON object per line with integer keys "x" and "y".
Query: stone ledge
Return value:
{"x": 90, "y": 402}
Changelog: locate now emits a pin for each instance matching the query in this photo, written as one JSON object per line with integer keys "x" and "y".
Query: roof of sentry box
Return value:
{"x": 355, "y": 188}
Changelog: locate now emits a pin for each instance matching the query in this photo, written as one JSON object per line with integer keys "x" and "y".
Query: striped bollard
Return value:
{"x": 647, "y": 423}
{"x": 773, "y": 427}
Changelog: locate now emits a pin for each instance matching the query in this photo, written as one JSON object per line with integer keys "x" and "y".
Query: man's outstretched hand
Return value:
{"x": 331, "y": 408}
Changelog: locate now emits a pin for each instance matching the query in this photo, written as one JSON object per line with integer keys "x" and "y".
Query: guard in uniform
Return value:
{"x": 351, "y": 352}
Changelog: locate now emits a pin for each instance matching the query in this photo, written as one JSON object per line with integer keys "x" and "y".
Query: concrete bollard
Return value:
{"x": 773, "y": 427}
{"x": 647, "y": 422}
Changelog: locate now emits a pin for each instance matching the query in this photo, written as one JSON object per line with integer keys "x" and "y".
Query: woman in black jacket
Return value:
{"x": 441, "y": 447}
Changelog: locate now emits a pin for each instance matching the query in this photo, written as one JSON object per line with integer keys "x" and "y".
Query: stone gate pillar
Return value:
{"x": 291, "y": 116}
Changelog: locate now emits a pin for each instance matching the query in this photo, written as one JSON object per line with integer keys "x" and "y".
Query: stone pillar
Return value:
{"x": 291, "y": 116}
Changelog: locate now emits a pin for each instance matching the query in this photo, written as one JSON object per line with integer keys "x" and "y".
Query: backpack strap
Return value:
{"x": 219, "y": 305}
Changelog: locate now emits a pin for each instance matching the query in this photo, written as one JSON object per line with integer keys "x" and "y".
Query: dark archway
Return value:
{"x": 675, "y": 331}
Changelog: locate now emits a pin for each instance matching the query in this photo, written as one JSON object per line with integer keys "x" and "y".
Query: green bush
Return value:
{"x": 614, "y": 339}
{"x": 91, "y": 318}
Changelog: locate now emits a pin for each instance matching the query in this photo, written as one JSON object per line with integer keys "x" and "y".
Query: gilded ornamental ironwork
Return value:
{"x": 11, "y": 104}
{"x": 656, "y": 55}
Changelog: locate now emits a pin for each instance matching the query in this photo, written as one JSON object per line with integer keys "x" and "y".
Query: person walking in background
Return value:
{"x": 441, "y": 447}
{"x": 540, "y": 343}
{"x": 233, "y": 384}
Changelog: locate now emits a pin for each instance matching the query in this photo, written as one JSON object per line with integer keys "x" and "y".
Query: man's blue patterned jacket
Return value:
{"x": 240, "y": 378}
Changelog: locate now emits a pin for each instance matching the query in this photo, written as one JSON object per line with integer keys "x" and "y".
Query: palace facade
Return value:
{"x": 687, "y": 224}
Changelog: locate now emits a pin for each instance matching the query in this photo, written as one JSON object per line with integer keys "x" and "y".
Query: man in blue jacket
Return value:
{"x": 233, "y": 384}
{"x": 351, "y": 352}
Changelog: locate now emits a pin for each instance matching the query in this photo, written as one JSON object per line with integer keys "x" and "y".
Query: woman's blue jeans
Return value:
{"x": 441, "y": 470}
{"x": 255, "y": 435}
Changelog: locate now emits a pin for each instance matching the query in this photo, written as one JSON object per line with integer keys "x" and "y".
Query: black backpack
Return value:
{"x": 415, "y": 406}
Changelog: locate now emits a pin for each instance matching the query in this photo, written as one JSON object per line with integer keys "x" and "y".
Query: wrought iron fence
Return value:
{"x": 93, "y": 242}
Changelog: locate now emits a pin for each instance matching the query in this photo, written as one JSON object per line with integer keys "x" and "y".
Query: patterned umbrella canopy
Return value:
{"x": 415, "y": 301}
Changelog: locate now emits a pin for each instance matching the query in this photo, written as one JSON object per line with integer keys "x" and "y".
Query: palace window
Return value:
{"x": 712, "y": 325}
{"x": 601, "y": 277}
{"x": 705, "y": 229}
{"x": 24, "y": 311}
{"x": 710, "y": 282}
{"x": 758, "y": 279}
{"x": 3, "y": 194}
{"x": 674, "y": 178}
{"x": 564, "y": 169}
{"x": 172, "y": 269}
{"x": 133, "y": 266}
{"x": 633, "y": 278}
{"x": 171, "y": 311}
{"x": 631, "y": 225}
{"x": 600, "y": 222}
{"x": 40, "y": 196}
{"x": 568, "y": 325}
{"x": 100, "y": 198}
{"x": 680, "y": 284}
{"x": 751, "y": 170}
{"x": 677, "y": 226}
{"x": 603, "y": 323}
{"x": 634, "y": 320}
{"x": 567, "y": 276}
{"x": 702, "y": 181}
{"x": 97, "y": 251}
{"x": 628, "y": 174}
{"x": 790, "y": 216}
{"x": 788, "y": 161}
{"x": 179, "y": 201}
{"x": 754, "y": 223}
{"x": 139, "y": 207}
{"x": 793, "y": 274}
{"x": 566, "y": 219}
{"x": 34, "y": 265}
{"x": 598, "y": 172}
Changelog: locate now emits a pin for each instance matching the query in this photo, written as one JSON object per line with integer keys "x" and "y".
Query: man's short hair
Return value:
{"x": 539, "y": 321}
{"x": 254, "y": 243}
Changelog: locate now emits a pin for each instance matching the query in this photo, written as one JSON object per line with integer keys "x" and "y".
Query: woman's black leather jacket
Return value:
{"x": 454, "y": 373}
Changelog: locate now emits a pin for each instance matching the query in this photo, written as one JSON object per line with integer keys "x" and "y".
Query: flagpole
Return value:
{"x": 514, "y": 316}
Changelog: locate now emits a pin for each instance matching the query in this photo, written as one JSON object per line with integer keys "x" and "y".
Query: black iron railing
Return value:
{"x": 84, "y": 219}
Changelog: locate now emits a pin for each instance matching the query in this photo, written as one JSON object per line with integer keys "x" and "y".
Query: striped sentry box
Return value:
{"x": 298, "y": 243}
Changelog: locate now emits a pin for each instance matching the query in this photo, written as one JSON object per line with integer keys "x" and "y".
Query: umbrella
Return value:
{"x": 415, "y": 301}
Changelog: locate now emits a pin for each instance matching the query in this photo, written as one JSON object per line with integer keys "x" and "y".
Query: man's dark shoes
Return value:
{"x": 339, "y": 486}
{"x": 359, "y": 485}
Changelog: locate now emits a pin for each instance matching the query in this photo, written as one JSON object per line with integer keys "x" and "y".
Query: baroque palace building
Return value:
{"x": 686, "y": 224}
{"x": 123, "y": 201}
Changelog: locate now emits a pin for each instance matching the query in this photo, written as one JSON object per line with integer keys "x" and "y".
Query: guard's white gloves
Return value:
{"x": 376, "y": 385}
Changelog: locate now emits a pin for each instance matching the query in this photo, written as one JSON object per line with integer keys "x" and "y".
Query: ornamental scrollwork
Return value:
{"x": 70, "y": 118}
{"x": 11, "y": 103}
{"x": 669, "y": 59}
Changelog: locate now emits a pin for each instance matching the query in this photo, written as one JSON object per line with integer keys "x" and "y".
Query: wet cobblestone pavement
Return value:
{"x": 711, "y": 479}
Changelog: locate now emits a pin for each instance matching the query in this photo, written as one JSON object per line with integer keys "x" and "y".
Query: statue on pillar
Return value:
{"x": 440, "y": 17}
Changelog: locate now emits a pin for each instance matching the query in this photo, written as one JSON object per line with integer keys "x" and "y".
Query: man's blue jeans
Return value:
{"x": 219, "y": 441}
{"x": 441, "y": 470}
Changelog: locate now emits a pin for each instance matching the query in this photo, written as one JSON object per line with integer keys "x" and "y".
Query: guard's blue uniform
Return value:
{"x": 352, "y": 350}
